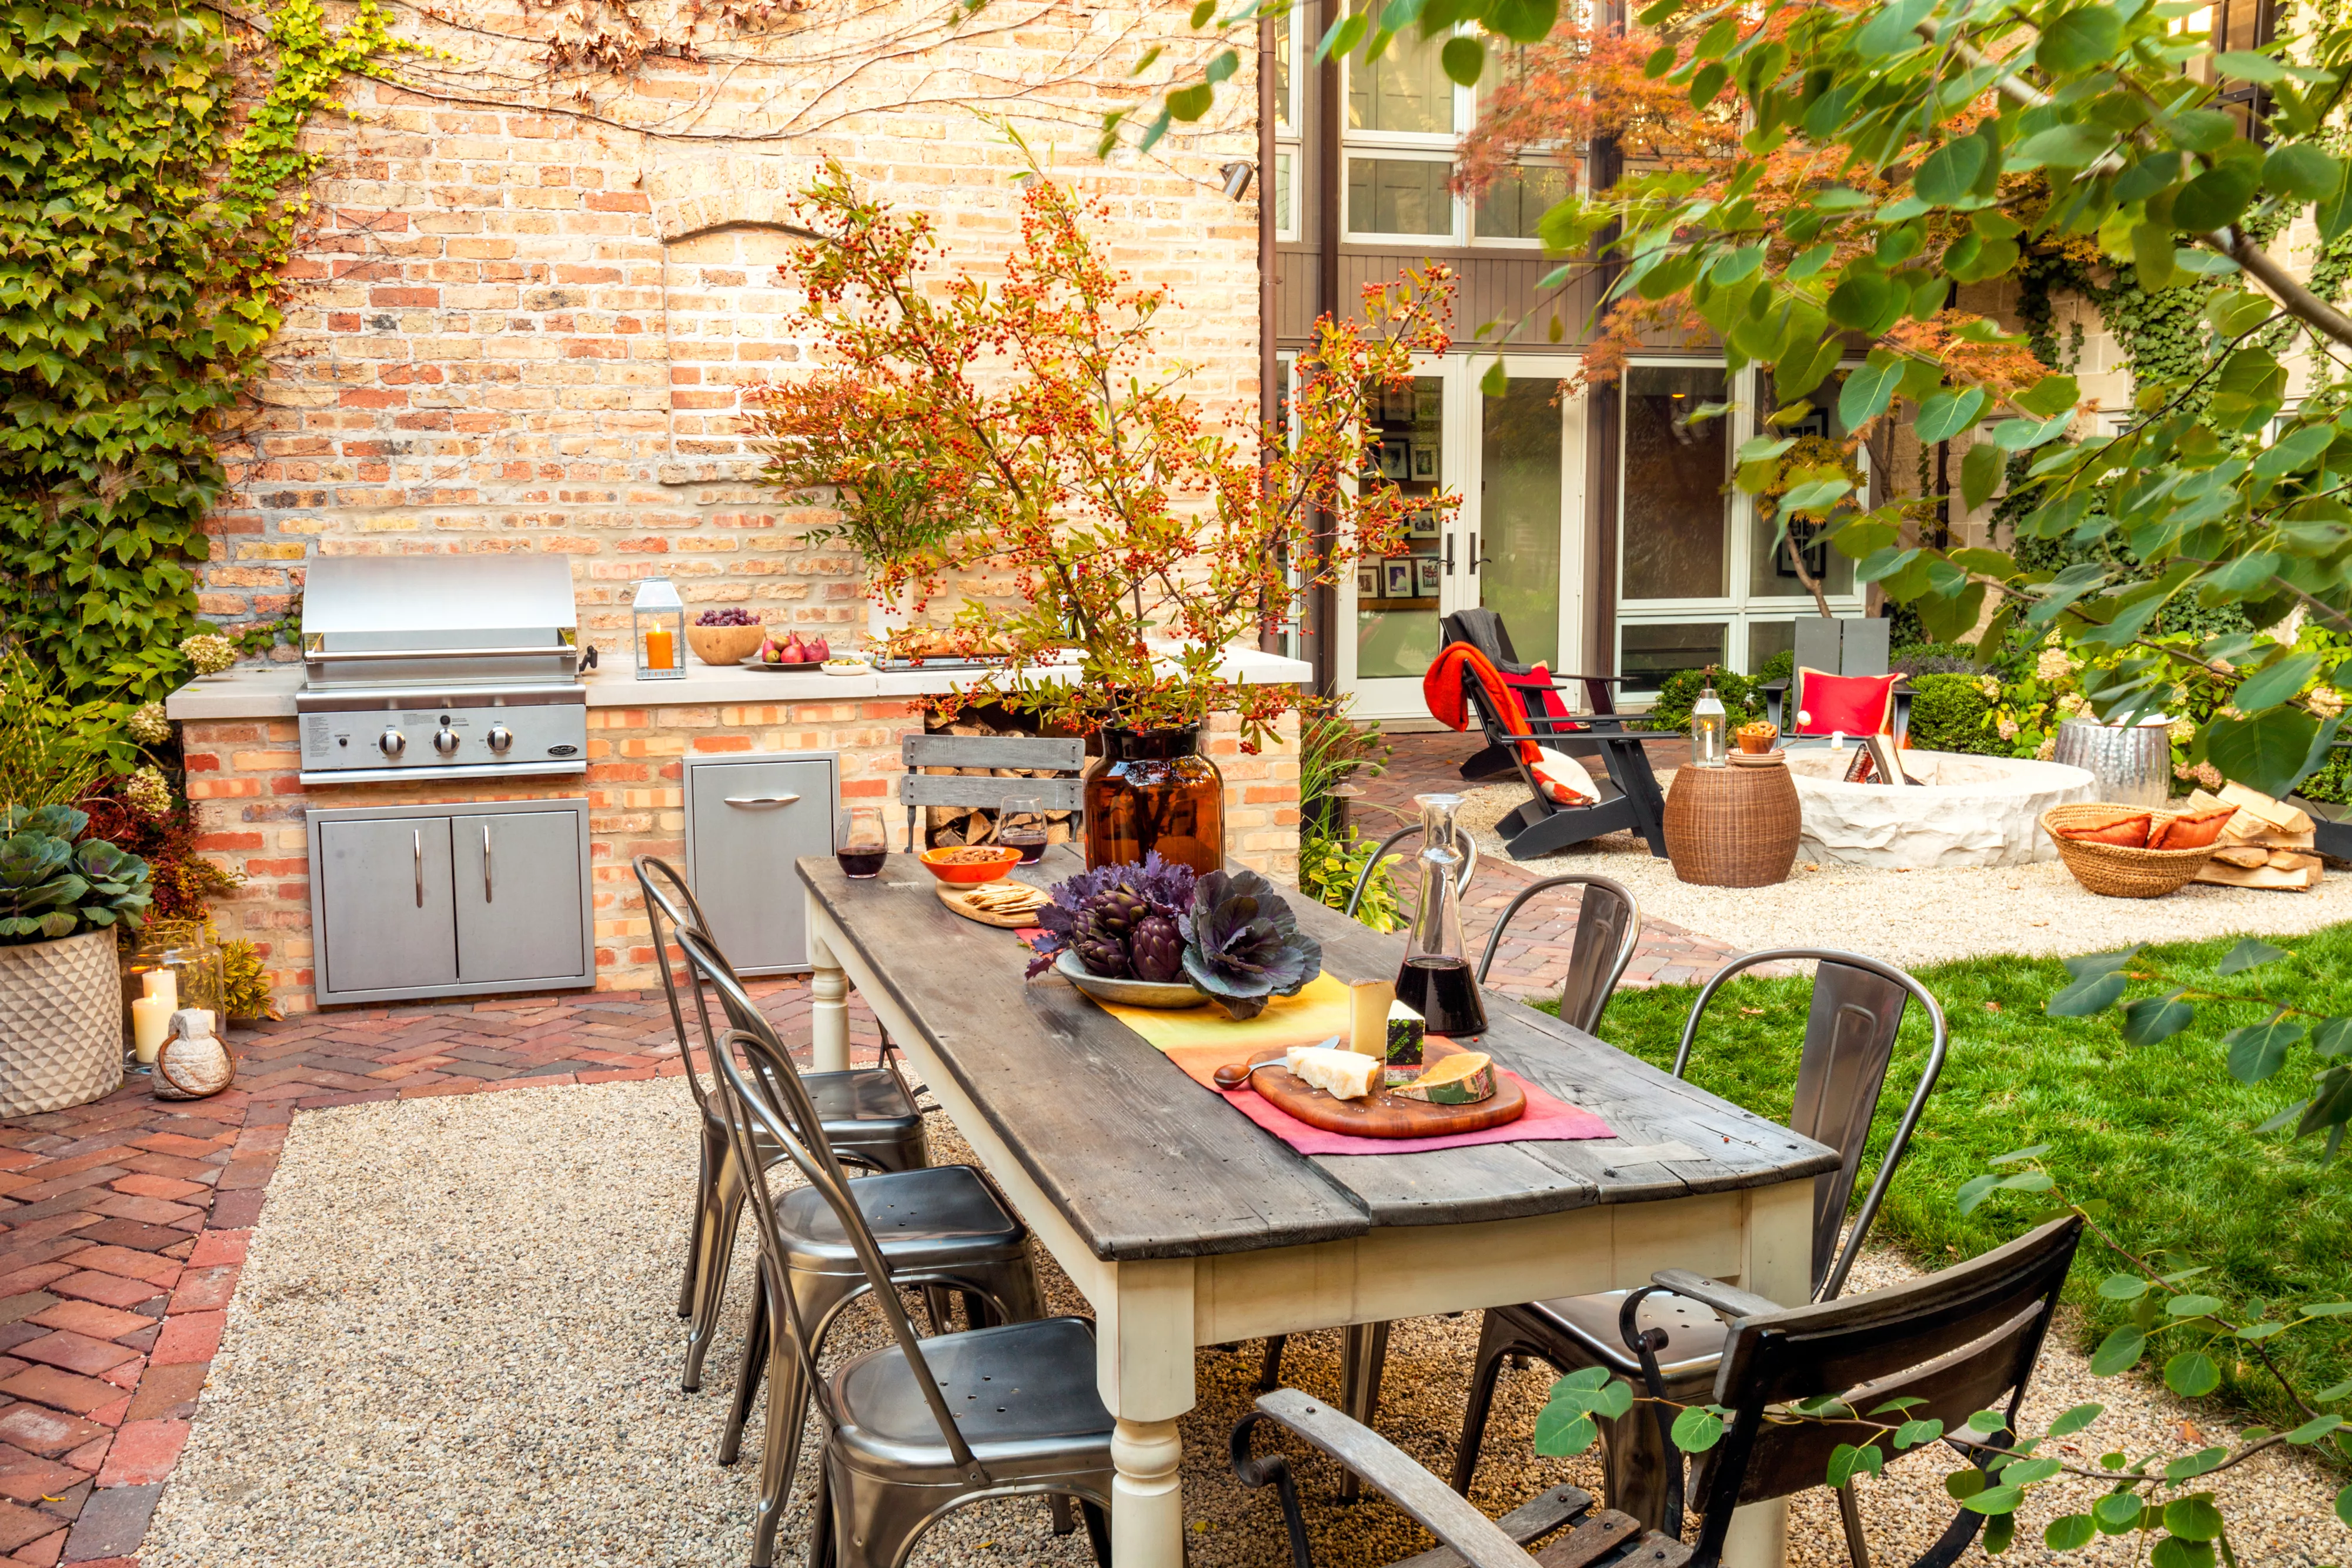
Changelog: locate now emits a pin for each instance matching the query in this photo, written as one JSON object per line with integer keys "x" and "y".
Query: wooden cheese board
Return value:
{"x": 959, "y": 899}
{"x": 1382, "y": 1114}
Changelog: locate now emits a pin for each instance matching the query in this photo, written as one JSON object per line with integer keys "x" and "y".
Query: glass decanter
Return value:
{"x": 1436, "y": 979}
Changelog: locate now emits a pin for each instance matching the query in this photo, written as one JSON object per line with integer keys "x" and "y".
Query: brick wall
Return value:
{"x": 515, "y": 329}
{"x": 250, "y": 810}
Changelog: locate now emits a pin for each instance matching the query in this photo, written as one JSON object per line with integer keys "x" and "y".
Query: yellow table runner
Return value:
{"x": 1203, "y": 1039}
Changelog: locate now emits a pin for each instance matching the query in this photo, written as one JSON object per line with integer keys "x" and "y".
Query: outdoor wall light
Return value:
{"x": 1237, "y": 179}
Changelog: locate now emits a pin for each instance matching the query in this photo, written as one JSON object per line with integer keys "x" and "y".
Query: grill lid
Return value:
{"x": 472, "y": 618}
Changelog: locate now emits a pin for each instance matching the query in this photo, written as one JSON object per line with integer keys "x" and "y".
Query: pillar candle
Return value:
{"x": 150, "y": 1020}
{"x": 658, "y": 648}
{"x": 162, "y": 983}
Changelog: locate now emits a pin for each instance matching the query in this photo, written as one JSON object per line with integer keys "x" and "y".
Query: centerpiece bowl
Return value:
{"x": 1128, "y": 992}
{"x": 966, "y": 867}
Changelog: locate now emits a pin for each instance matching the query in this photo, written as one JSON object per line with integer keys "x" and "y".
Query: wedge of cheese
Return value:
{"x": 1342, "y": 1074}
{"x": 1464, "y": 1078}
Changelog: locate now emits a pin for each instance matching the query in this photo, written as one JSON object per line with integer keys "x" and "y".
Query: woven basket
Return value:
{"x": 2114, "y": 871}
{"x": 1732, "y": 826}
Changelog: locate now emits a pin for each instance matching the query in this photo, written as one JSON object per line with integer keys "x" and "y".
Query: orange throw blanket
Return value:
{"x": 1442, "y": 689}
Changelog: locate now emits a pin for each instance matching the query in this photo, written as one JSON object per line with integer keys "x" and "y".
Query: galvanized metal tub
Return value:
{"x": 2131, "y": 765}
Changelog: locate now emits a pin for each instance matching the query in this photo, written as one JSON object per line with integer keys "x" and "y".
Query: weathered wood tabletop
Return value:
{"x": 1183, "y": 1223}
{"x": 1146, "y": 1162}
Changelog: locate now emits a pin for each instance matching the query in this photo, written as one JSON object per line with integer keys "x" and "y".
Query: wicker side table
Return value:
{"x": 1732, "y": 826}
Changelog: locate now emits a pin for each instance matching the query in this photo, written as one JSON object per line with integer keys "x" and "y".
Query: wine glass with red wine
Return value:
{"x": 863, "y": 846}
{"x": 1021, "y": 825}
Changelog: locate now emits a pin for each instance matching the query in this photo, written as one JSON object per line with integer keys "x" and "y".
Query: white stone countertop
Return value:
{"x": 267, "y": 690}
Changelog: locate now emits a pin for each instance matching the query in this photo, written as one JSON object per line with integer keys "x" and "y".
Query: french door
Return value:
{"x": 1514, "y": 546}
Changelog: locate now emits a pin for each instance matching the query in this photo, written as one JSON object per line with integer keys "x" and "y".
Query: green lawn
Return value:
{"x": 2162, "y": 1133}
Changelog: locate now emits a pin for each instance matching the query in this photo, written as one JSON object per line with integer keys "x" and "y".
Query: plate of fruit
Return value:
{"x": 792, "y": 654}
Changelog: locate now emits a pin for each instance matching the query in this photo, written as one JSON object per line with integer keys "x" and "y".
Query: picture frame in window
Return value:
{"x": 1368, "y": 580}
{"x": 1396, "y": 459}
{"x": 1428, "y": 404}
{"x": 1424, "y": 461}
{"x": 1422, "y": 524}
{"x": 1426, "y": 577}
{"x": 1397, "y": 578}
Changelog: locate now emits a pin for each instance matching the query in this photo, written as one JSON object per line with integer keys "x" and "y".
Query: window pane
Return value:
{"x": 1771, "y": 569}
{"x": 1397, "y": 597}
{"x": 1674, "y": 509}
{"x": 1282, "y": 218}
{"x": 1398, "y": 196}
{"x": 1651, "y": 654}
{"x": 1405, "y": 89}
{"x": 1282, "y": 80}
{"x": 1514, "y": 204}
{"x": 1518, "y": 510}
{"x": 1766, "y": 638}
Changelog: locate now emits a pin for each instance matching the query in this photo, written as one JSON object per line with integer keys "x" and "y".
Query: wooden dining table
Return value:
{"x": 1184, "y": 1224}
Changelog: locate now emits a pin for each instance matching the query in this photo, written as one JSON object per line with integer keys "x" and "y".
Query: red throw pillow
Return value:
{"x": 1542, "y": 703}
{"x": 2192, "y": 830}
{"x": 2128, "y": 829}
{"x": 1855, "y": 704}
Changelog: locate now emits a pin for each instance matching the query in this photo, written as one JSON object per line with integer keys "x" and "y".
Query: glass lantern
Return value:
{"x": 658, "y": 619}
{"x": 174, "y": 965}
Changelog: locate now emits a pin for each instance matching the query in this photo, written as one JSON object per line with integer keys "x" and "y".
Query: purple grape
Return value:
{"x": 725, "y": 618}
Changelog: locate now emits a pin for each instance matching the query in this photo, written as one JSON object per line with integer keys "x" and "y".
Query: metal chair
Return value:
{"x": 1023, "y": 753}
{"x": 914, "y": 1430}
{"x": 945, "y": 1227}
{"x": 1955, "y": 1343}
{"x": 1857, "y": 1009}
{"x": 866, "y": 1112}
{"x": 1608, "y": 928}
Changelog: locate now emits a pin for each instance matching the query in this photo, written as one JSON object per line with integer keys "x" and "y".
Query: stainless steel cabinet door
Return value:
{"x": 384, "y": 885}
{"x": 517, "y": 876}
{"x": 746, "y": 822}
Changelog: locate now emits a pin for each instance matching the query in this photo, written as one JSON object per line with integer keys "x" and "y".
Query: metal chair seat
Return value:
{"x": 937, "y": 1216}
{"x": 1694, "y": 1336}
{"x": 1022, "y": 1396}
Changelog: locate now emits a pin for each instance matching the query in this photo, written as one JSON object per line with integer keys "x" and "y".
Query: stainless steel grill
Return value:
{"x": 463, "y": 665}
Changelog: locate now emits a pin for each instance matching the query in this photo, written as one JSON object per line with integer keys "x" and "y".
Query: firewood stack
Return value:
{"x": 2267, "y": 844}
{"x": 951, "y": 827}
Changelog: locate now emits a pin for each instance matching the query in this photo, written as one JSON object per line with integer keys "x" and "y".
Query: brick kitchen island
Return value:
{"x": 241, "y": 736}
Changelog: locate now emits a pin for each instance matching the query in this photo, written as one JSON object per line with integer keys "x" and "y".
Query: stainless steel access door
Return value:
{"x": 383, "y": 889}
{"x": 747, "y": 821}
{"x": 518, "y": 895}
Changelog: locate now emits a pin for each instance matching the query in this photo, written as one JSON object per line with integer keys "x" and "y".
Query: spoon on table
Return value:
{"x": 1234, "y": 1075}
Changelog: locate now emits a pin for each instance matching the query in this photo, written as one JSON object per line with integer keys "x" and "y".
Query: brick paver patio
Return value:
{"x": 123, "y": 1223}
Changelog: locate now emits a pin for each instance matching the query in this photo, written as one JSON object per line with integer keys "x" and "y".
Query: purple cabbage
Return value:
{"x": 1243, "y": 945}
{"x": 1166, "y": 886}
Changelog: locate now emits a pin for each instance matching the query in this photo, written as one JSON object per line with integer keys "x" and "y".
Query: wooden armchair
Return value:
{"x": 1959, "y": 1342}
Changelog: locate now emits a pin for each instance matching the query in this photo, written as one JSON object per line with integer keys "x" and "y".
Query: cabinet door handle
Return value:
{"x": 761, "y": 800}
{"x": 488, "y": 896}
{"x": 416, "y": 841}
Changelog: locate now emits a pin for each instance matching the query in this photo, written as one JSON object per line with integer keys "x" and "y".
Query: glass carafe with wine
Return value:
{"x": 1021, "y": 825}
{"x": 1436, "y": 980}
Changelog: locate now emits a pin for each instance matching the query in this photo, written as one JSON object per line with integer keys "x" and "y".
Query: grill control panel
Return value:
{"x": 352, "y": 737}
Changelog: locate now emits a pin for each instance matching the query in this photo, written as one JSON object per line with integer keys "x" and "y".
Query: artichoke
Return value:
{"x": 1243, "y": 945}
{"x": 1156, "y": 951}
{"x": 1118, "y": 911}
{"x": 49, "y": 889}
{"x": 1102, "y": 953}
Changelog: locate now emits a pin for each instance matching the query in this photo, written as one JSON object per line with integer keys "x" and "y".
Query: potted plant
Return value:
{"x": 60, "y": 1000}
{"x": 1031, "y": 441}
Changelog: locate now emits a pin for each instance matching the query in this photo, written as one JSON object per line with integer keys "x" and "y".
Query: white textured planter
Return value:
{"x": 1966, "y": 811}
{"x": 60, "y": 1023}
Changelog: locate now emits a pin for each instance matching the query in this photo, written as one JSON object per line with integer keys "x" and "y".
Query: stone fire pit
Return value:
{"x": 1966, "y": 811}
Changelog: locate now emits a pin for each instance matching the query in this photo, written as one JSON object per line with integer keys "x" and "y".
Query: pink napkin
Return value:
{"x": 1548, "y": 1120}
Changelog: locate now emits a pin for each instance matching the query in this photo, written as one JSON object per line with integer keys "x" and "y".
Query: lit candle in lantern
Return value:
{"x": 165, "y": 984}
{"x": 659, "y": 649}
{"x": 150, "y": 1020}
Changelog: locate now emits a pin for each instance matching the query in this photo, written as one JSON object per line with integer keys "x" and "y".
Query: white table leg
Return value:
{"x": 1780, "y": 1266}
{"x": 829, "y": 1009}
{"x": 1143, "y": 1366}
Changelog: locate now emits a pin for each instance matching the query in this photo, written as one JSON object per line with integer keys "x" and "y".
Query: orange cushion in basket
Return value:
{"x": 2129, "y": 829}
{"x": 2193, "y": 832}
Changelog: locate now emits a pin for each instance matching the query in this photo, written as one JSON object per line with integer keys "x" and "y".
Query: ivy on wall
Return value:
{"x": 151, "y": 183}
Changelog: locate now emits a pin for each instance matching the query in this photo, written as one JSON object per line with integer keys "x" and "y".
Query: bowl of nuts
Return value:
{"x": 725, "y": 636}
{"x": 970, "y": 863}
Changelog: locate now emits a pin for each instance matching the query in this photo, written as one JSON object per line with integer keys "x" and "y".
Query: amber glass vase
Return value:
{"x": 1152, "y": 789}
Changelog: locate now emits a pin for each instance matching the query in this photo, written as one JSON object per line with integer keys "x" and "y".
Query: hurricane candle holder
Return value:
{"x": 657, "y": 624}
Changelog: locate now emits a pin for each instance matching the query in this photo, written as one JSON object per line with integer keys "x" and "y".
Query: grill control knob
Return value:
{"x": 501, "y": 737}
{"x": 392, "y": 743}
{"x": 446, "y": 742}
